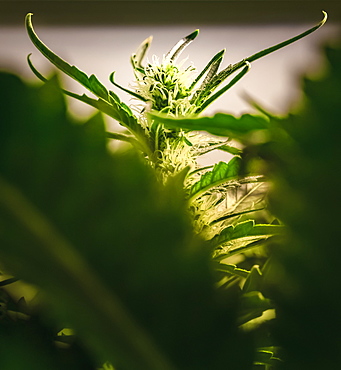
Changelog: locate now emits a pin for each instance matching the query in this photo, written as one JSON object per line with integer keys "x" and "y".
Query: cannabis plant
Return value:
{"x": 168, "y": 89}
{"x": 180, "y": 245}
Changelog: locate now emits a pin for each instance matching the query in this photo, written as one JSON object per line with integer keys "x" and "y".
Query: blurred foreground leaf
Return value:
{"x": 112, "y": 251}
{"x": 303, "y": 158}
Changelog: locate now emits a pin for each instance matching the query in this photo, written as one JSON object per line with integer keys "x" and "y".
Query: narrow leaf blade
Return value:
{"x": 61, "y": 64}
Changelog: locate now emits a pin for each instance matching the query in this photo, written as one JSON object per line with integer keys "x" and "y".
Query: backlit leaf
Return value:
{"x": 220, "y": 124}
{"x": 237, "y": 238}
{"x": 221, "y": 173}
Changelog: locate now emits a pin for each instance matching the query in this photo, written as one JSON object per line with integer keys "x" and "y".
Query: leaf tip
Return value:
{"x": 325, "y": 17}
{"x": 111, "y": 77}
{"x": 149, "y": 40}
{"x": 28, "y": 19}
{"x": 193, "y": 35}
{"x": 221, "y": 54}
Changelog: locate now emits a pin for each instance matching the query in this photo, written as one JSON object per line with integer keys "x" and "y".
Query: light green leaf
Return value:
{"x": 253, "y": 305}
{"x": 254, "y": 280}
{"x": 220, "y": 124}
{"x": 235, "y": 238}
{"x": 230, "y": 269}
{"x": 265, "y": 357}
{"x": 214, "y": 144}
{"x": 252, "y": 199}
{"x": 220, "y": 174}
{"x": 235, "y": 214}
{"x": 230, "y": 149}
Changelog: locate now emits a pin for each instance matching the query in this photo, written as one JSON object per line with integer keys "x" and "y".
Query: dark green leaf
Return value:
{"x": 111, "y": 78}
{"x": 206, "y": 102}
{"x": 304, "y": 268}
{"x": 95, "y": 232}
{"x": 179, "y": 47}
{"x": 97, "y": 88}
{"x": 72, "y": 71}
{"x": 225, "y": 73}
{"x": 212, "y": 65}
{"x": 8, "y": 281}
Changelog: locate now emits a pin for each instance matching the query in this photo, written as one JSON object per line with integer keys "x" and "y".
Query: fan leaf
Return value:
{"x": 221, "y": 124}
{"x": 235, "y": 238}
{"x": 221, "y": 173}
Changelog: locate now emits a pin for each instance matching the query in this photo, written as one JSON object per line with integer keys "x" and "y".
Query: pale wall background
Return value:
{"x": 97, "y": 45}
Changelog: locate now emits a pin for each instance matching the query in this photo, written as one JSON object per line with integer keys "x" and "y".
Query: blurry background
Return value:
{"x": 99, "y": 37}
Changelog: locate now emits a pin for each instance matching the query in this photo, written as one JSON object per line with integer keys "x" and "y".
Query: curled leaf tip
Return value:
{"x": 28, "y": 20}
{"x": 325, "y": 17}
{"x": 111, "y": 77}
{"x": 112, "y": 80}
